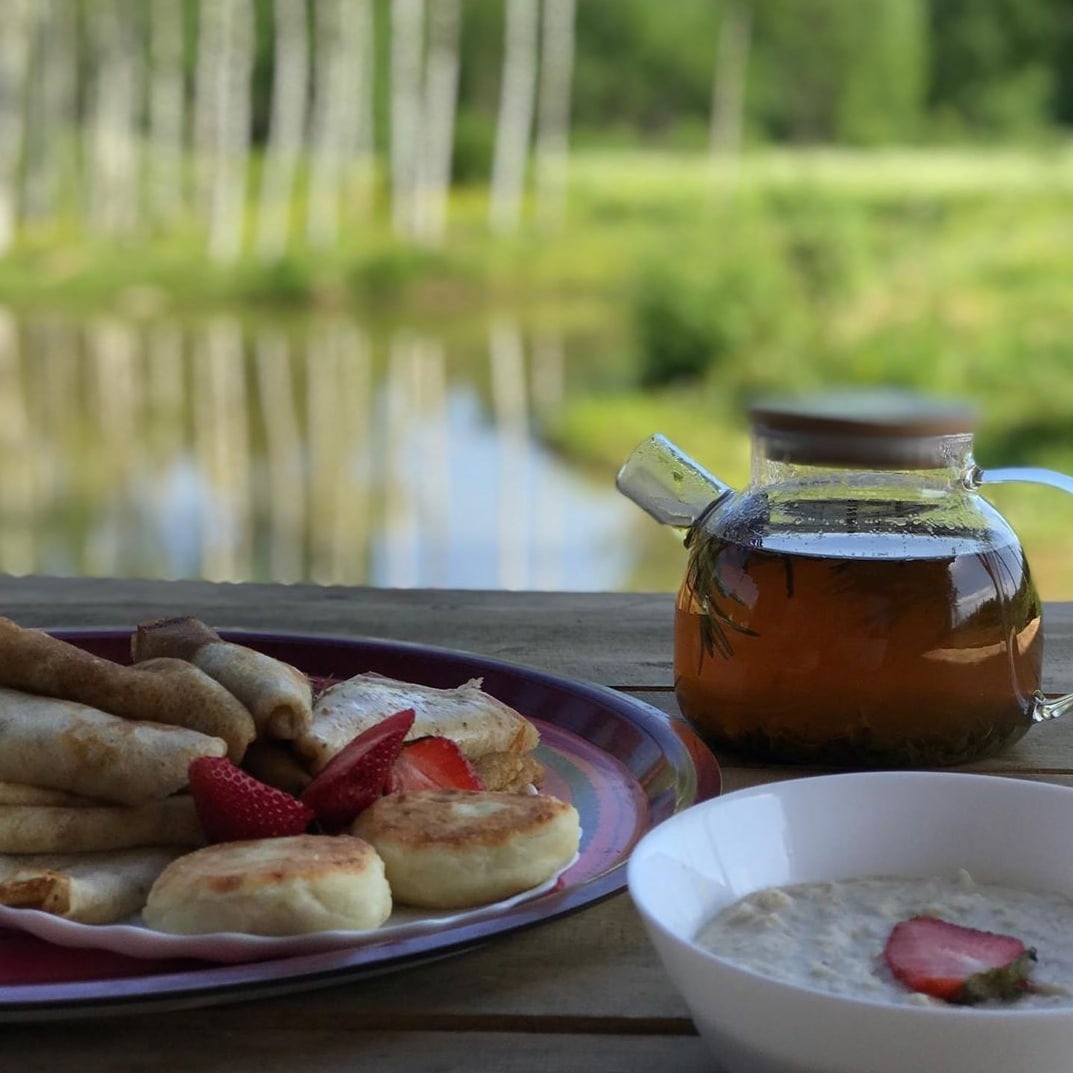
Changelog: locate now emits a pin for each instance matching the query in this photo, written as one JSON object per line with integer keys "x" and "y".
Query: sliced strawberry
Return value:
{"x": 955, "y": 963}
{"x": 233, "y": 805}
{"x": 358, "y": 774}
{"x": 433, "y": 763}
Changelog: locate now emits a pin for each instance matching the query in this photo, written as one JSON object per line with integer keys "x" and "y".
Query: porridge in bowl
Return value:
{"x": 905, "y": 941}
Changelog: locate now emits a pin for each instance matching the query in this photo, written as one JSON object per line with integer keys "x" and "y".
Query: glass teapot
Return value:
{"x": 859, "y": 603}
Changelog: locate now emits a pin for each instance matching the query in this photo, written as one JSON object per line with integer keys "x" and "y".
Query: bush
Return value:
{"x": 288, "y": 280}
{"x": 719, "y": 317}
{"x": 386, "y": 276}
{"x": 676, "y": 330}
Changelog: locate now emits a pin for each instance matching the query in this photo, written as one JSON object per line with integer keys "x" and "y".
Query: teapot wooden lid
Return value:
{"x": 885, "y": 428}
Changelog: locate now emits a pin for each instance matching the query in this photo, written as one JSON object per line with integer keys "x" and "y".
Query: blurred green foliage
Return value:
{"x": 854, "y": 72}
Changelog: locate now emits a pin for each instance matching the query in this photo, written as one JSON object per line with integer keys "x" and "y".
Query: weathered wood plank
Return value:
{"x": 622, "y": 642}
{"x": 179, "y": 1047}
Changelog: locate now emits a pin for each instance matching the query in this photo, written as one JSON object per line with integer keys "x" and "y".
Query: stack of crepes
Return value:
{"x": 94, "y": 756}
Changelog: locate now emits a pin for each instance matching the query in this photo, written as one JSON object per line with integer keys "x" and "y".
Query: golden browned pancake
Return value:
{"x": 272, "y": 886}
{"x": 447, "y": 849}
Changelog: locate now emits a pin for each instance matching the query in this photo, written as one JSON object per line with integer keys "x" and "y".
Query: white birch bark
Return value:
{"x": 728, "y": 85}
{"x": 360, "y": 35}
{"x": 335, "y": 101}
{"x": 231, "y": 143}
{"x": 167, "y": 111}
{"x": 515, "y": 121}
{"x": 51, "y": 109}
{"x": 15, "y": 36}
{"x": 437, "y": 122}
{"x": 286, "y": 132}
{"x": 407, "y": 49}
{"x": 553, "y": 115}
{"x": 113, "y": 155}
{"x": 206, "y": 118}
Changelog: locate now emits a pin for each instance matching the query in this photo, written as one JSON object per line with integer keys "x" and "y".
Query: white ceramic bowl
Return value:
{"x": 1011, "y": 831}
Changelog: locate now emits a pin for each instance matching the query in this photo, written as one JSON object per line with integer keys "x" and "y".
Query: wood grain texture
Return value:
{"x": 584, "y": 993}
{"x": 274, "y": 1048}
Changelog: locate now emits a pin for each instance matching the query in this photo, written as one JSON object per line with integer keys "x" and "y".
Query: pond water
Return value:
{"x": 296, "y": 451}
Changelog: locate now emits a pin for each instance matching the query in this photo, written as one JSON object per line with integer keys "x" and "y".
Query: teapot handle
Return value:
{"x": 1021, "y": 474}
{"x": 1043, "y": 708}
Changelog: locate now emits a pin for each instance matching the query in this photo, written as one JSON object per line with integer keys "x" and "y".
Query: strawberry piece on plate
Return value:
{"x": 955, "y": 963}
{"x": 359, "y": 773}
{"x": 232, "y": 805}
{"x": 433, "y": 763}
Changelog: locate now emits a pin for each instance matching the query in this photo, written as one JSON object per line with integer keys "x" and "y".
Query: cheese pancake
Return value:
{"x": 272, "y": 886}
{"x": 450, "y": 849}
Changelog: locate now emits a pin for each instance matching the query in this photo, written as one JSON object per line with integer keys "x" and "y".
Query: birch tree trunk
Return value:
{"x": 52, "y": 109}
{"x": 362, "y": 151}
{"x": 335, "y": 104}
{"x": 15, "y": 31}
{"x": 210, "y": 16}
{"x": 438, "y": 123}
{"x": 407, "y": 49}
{"x": 553, "y": 116}
{"x": 167, "y": 107}
{"x": 515, "y": 115}
{"x": 290, "y": 87}
{"x": 112, "y": 129}
{"x": 231, "y": 144}
{"x": 728, "y": 87}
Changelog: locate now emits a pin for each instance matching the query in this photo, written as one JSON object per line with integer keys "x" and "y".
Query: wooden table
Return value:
{"x": 583, "y": 993}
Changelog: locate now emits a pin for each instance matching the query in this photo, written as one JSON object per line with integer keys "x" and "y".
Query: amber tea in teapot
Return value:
{"x": 861, "y": 657}
{"x": 859, "y": 603}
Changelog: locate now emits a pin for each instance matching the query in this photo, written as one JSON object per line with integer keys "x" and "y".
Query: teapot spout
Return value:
{"x": 668, "y": 484}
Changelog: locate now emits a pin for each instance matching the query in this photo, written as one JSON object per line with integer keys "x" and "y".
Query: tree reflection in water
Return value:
{"x": 292, "y": 453}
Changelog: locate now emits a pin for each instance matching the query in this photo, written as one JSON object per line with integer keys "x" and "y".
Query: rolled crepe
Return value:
{"x": 14, "y": 793}
{"x": 274, "y": 763}
{"x": 279, "y": 695}
{"x": 45, "y": 829}
{"x": 63, "y": 745}
{"x": 92, "y": 888}
{"x": 481, "y": 725}
{"x": 36, "y": 662}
